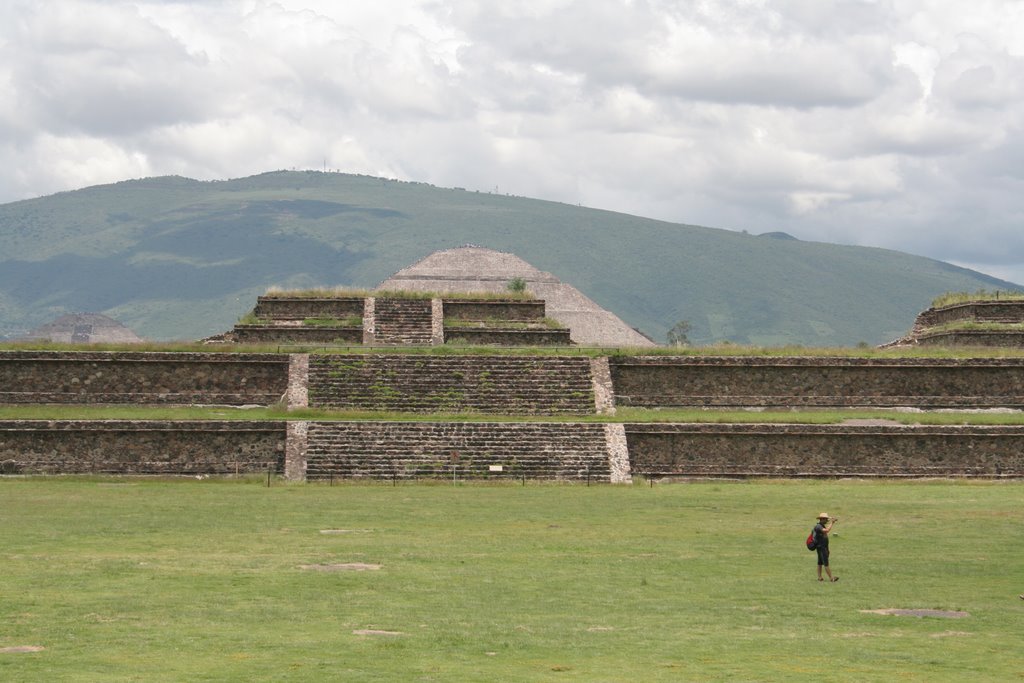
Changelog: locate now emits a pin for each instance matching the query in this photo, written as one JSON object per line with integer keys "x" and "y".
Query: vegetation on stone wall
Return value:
{"x": 953, "y": 298}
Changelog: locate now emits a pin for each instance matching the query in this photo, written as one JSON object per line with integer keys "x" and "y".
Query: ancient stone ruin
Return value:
{"x": 981, "y": 322}
{"x": 472, "y": 269}
{"x": 83, "y": 328}
{"x": 394, "y": 319}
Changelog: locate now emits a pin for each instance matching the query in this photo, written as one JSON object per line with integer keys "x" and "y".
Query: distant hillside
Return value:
{"x": 174, "y": 258}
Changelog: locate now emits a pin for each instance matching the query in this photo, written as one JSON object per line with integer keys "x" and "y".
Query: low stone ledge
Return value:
{"x": 167, "y": 378}
{"x": 817, "y": 382}
{"x": 151, "y": 447}
{"x": 825, "y": 450}
{"x": 988, "y": 338}
{"x": 507, "y": 337}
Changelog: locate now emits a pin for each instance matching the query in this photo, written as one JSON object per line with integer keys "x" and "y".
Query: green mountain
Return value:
{"x": 175, "y": 258}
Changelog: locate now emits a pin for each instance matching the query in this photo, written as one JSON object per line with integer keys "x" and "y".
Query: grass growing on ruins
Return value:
{"x": 593, "y": 352}
{"x": 228, "y": 580}
{"x": 952, "y": 298}
{"x": 342, "y": 292}
{"x": 824, "y": 417}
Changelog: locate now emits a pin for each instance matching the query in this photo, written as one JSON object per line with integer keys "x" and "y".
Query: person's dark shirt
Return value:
{"x": 820, "y": 537}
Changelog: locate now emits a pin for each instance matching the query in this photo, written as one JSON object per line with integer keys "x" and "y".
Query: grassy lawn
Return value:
{"x": 150, "y": 580}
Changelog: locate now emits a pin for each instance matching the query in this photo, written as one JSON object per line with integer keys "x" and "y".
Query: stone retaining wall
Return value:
{"x": 527, "y": 385}
{"x": 973, "y": 311}
{"x": 140, "y": 447}
{"x": 496, "y": 336}
{"x": 297, "y": 334}
{"x": 533, "y": 385}
{"x": 702, "y": 450}
{"x": 715, "y": 381}
{"x": 987, "y": 338}
{"x": 510, "y": 309}
{"x": 47, "y": 377}
{"x": 301, "y": 308}
{"x": 384, "y": 450}
{"x": 567, "y": 451}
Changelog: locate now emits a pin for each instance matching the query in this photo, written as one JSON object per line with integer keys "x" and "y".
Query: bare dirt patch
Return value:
{"x": 376, "y": 632}
{"x": 871, "y": 422}
{"x": 940, "y": 613}
{"x": 341, "y": 567}
{"x": 19, "y": 649}
{"x": 331, "y": 532}
{"x": 950, "y": 634}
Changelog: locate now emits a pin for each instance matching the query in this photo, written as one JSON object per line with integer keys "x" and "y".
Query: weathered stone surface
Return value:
{"x": 719, "y": 381}
{"x": 530, "y": 385}
{"x": 430, "y": 450}
{"x": 84, "y": 328}
{"x": 504, "y": 309}
{"x": 302, "y": 308}
{"x": 497, "y": 336}
{"x": 407, "y": 322}
{"x": 825, "y": 450}
{"x": 477, "y": 269}
{"x": 142, "y": 378}
{"x": 297, "y": 334}
{"x": 140, "y": 447}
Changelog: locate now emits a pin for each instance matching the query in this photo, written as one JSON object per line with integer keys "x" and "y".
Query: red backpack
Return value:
{"x": 811, "y": 543}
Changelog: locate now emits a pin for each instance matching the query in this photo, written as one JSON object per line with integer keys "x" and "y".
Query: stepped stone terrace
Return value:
{"x": 991, "y": 322}
{"x": 394, "y": 319}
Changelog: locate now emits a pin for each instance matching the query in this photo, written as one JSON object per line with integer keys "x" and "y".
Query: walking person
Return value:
{"x": 821, "y": 531}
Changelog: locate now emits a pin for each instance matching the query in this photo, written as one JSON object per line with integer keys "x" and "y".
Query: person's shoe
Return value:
{"x": 834, "y": 579}
{"x": 821, "y": 579}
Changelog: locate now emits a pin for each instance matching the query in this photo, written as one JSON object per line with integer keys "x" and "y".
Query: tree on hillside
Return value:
{"x": 677, "y": 336}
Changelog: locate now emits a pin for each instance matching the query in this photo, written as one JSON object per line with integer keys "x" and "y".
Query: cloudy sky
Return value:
{"x": 891, "y": 123}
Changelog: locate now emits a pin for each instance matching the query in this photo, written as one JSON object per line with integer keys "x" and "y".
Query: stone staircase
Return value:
{"x": 406, "y": 450}
{"x": 500, "y": 384}
{"x": 403, "y": 321}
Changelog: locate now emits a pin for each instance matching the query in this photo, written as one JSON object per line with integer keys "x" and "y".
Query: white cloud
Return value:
{"x": 873, "y": 122}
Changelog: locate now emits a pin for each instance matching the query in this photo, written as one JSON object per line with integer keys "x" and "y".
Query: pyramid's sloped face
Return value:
{"x": 476, "y": 269}
{"x": 85, "y": 328}
{"x": 472, "y": 263}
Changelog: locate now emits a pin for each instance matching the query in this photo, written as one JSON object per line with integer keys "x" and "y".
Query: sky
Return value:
{"x": 886, "y": 123}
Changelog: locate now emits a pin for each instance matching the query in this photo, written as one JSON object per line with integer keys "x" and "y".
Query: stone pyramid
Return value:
{"x": 476, "y": 269}
{"x": 84, "y": 328}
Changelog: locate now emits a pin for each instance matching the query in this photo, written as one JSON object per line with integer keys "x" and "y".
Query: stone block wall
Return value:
{"x": 566, "y": 451}
{"x": 142, "y": 378}
{"x": 510, "y": 309}
{"x": 301, "y": 308}
{"x": 702, "y": 450}
{"x": 529, "y": 385}
{"x": 383, "y": 450}
{"x": 652, "y": 381}
{"x": 297, "y": 334}
{"x": 496, "y": 336}
{"x": 987, "y": 338}
{"x": 140, "y": 447}
{"x": 973, "y": 311}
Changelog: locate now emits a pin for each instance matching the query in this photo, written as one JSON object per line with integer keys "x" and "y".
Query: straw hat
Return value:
{"x": 823, "y": 515}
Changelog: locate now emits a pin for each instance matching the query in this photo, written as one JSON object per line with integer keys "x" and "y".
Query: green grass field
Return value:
{"x": 150, "y": 580}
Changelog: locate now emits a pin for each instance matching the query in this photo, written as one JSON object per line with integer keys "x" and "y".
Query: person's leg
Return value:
{"x": 828, "y": 569}
{"x": 823, "y": 562}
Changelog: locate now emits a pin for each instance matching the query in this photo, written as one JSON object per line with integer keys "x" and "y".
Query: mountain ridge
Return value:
{"x": 173, "y": 257}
